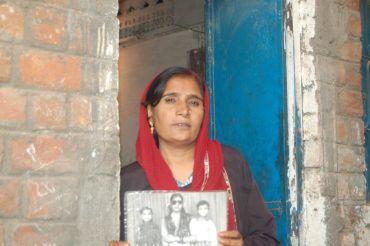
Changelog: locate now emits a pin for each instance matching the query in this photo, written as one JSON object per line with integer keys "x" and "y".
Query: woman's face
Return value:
{"x": 179, "y": 114}
{"x": 176, "y": 204}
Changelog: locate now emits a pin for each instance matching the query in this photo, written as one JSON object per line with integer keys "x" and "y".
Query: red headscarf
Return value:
{"x": 159, "y": 174}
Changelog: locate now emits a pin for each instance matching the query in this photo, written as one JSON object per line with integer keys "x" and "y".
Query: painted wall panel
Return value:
{"x": 245, "y": 63}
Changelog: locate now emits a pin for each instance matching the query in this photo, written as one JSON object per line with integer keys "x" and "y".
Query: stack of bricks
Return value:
{"x": 59, "y": 151}
{"x": 338, "y": 50}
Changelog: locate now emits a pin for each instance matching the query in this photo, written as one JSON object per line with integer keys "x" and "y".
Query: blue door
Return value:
{"x": 245, "y": 72}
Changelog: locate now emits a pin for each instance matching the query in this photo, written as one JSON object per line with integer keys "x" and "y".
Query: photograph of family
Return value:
{"x": 175, "y": 218}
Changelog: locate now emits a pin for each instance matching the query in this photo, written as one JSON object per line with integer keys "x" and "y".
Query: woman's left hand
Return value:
{"x": 230, "y": 238}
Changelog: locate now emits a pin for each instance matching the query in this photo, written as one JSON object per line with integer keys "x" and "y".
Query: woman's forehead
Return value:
{"x": 182, "y": 85}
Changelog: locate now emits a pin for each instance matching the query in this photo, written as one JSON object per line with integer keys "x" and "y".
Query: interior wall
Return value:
{"x": 138, "y": 64}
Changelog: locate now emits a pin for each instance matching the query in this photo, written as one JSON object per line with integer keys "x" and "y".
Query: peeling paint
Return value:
{"x": 302, "y": 90}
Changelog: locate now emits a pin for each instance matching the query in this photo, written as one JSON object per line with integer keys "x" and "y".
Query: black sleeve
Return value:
{"x": 260, "y": 222}
{"x": 255, "y": 222}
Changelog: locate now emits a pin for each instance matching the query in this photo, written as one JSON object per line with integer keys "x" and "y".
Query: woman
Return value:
{"x": 202, "y": 228}
{"x": 175, "y": 226}
{"x": 174, "y": 153}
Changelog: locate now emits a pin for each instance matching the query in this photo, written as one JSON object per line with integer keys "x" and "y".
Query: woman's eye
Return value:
{"x": 170, "y": 100}
{"x": 195, "y": 103}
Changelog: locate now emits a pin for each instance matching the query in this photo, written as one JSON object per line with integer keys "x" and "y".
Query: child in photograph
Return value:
{"x": 148, "y": 232}
{"x": 202, "y": 228}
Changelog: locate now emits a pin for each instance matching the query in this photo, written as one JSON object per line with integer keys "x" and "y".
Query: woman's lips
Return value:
{"x": 182, "y": 125}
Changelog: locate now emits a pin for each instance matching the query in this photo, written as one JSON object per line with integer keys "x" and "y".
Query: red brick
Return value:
{"x": 30, "y": 235}
{"x": 80, "y": 112}
{"x": 349, "y": 74}
{"x": 351, "y": 50}
{"x": 354, "y": 25}
{"x": 353, "y": 4}
{"x": 11, "y": 22}
{"x": 9, "y": 197}
{"x": 351, "y": 186}
{"x": 354, "y": 77}
{"x": 342, "y": 131}
{"x": 22, "y": 154}
{"x": 350, "y": 103}
{"x": 49, "y": 112}
{"x": 48, "y": 26}
{"x": 357, "y": 132}
{"x": 5, "y": 65}
{"x": 41, "y": 234}
{"x": 351, "y": 159}
{"x": 49, "y": 70}
{"x": 39, "y": 154}
{"x": 49, "y": 150}
{"x": 52, "y": 199}
{"x": 12, "y": 105}
{"x": 347, "y": 238}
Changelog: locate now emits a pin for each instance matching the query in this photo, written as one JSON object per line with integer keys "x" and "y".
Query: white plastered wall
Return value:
{"x": 307, "y": 205}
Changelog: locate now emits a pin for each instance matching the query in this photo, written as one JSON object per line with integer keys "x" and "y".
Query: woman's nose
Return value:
{"x": 182, "y": 109}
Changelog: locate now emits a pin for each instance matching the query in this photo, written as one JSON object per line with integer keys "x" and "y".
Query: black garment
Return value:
{"x": 148, "y": 234}
{"x": 183, "y": 230}
{"x": 254, "y": 221}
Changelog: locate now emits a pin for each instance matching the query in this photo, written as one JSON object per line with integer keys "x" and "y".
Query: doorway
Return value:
{"x": 245, "y": 66}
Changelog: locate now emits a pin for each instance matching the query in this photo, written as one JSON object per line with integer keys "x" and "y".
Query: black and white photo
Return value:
{"x": 171, "y": 218}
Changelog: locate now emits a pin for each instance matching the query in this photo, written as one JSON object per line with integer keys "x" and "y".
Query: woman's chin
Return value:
{"x": 183, "y": 142}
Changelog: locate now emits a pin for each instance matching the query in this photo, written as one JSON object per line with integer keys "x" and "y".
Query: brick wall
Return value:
{"x": 336, "y": 168}
{"x": 59, "y": 148}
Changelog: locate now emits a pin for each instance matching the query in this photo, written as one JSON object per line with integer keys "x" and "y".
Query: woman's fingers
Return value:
{"x": 118, "y": 243}
{"x": 230, "y": 234}
{"x": 230, "y": 238}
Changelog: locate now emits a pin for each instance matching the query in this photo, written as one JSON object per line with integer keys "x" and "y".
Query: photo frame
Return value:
{"x": 174, "y": 218}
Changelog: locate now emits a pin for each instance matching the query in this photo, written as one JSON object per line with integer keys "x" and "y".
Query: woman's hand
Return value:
{"x": 118, "y": 243}
{"x": 230, "y": 238}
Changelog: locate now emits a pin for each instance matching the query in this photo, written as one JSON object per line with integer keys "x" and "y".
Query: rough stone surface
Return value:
{"x": 59, "y": 150}
{"x": 334, "y": 192}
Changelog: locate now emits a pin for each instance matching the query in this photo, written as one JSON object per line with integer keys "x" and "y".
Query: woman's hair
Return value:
{"x": 155, "y": 91}
{"x": 173, "y": 196}
{"x": 201, "y": 203}
{"x": 183, "y": 227}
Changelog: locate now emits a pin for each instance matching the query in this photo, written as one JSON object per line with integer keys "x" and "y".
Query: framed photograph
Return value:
{"x": 175, "y": 218}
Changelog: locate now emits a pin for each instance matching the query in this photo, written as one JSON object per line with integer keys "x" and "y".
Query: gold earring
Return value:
{"x": 151, "y": 127}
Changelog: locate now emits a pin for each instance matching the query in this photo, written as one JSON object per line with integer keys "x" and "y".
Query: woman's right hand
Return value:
{"x": 119, "y": 243}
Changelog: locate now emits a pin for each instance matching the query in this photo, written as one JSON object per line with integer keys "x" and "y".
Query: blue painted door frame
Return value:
{"x": 245, "y": 72}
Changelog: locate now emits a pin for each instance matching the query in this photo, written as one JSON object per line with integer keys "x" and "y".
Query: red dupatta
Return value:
{"x": 159, "y": 174}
